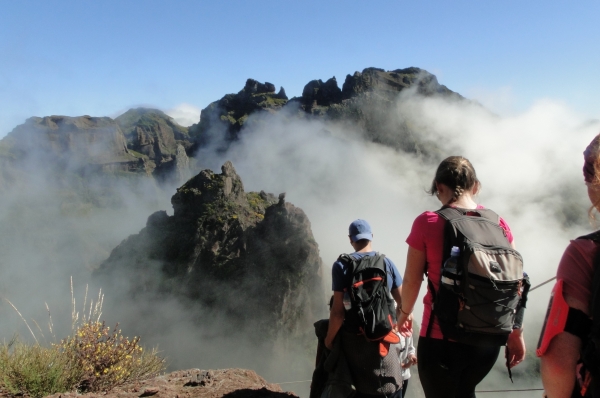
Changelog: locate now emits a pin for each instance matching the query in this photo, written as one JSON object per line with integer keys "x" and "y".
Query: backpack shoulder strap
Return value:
{"x": 595, "y": 236}
{"x": 594, "y": 302}
{"x": 452, "y": 213}
{"x": 345, "y": 258}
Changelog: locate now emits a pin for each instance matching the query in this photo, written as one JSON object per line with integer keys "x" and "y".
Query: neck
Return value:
{"x": 360, "y": 247}
{"x": 465, "y": 201}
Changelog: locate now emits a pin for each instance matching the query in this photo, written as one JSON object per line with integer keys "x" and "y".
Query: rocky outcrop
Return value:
{"x": 195, "y": 383}
{"x": 223, "y": 119}
{"x": 369, "y": 98}
{"x": 245, "y": 254}
{"x": 91, "y": 159}
{"x": 155, "y": 137}
{"x": 366, "y": 100}
{"x": 392, "y": 82}
{"x": 317, "y": 93}
{"x": 73, "y": 143}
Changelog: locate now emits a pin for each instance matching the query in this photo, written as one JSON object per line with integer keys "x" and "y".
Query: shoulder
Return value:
{"x": 581, "y": 250}
{"x": 503, "y": 224}
{"x": 576, "y": 269}
{"x": 388, "y": 261}
{"x": 425, "y": 220}
{"x": 427, "y": 217}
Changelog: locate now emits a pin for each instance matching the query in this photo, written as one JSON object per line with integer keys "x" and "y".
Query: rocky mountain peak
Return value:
{"x": 84, "y": 140}
{"x": 254, "y": 87}
{"x": 222, "y": 239}
{"x": 324, "y": 94}
{"x": 208, "y": 188}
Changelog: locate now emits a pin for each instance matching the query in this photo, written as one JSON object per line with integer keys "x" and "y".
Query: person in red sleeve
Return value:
{"x": 446, "y": 368}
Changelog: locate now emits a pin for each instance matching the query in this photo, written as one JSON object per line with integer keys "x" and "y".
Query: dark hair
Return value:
{"x": 457, "y": 173}
{"x": 590, "y": 171}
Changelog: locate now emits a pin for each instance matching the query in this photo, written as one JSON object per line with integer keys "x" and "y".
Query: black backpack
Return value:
{"x": 479, "y": 307}
{"x": 589, "y": 331}
{"x": 372, "y": 307}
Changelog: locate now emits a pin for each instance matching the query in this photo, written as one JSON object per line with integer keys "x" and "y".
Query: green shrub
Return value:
{"x": 36, "y": 370}
{"x": 93, "y": 358}
{"x": 107, "y": 359}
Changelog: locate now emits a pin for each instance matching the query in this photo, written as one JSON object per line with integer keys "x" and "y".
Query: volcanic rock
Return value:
{"x": 366, "y": 100}
{"x": 156, "y": 137}
{"x": 72, "y": 143}
{"x": 220, "y": 240}
{"x": 223, "y": 119}
{"x": 195, "y": 383}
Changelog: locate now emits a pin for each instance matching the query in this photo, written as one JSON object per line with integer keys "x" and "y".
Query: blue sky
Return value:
{"x": 102, "y": 57}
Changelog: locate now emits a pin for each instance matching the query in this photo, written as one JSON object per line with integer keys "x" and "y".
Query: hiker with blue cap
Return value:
{"x": 362, "y": 319}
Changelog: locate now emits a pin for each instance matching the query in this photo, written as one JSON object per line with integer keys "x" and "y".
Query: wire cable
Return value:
{"x": 542, "y": 284}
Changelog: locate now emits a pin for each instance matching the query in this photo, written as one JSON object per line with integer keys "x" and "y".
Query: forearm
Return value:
{"x": 335, "y": 323}
{"x": 410, "y": 292}
{"x": 558, "y": 365}
{"x": 336, "y": 318}
{"x": 413, "y": 277}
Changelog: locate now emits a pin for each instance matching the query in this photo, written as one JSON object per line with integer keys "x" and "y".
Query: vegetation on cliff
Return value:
{"x": 93, "y": 358}
{"x": 251, "y": 256}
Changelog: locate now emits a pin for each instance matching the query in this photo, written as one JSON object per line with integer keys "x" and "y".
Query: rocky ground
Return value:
{"x": 194, "y": 383}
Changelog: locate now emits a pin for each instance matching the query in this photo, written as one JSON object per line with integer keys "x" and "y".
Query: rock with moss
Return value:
{"x": 366, "y": 100}
{"x": 223, "y": 119}
{"x": 249, "y": 255}
{"x": 155, "y": 137}
{"x": 79, "y": 141}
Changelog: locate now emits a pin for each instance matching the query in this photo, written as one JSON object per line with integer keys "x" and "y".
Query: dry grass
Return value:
{"x": 92, "y": 358}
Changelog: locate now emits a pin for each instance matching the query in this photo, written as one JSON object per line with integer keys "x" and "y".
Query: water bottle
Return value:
{"x": 450, "y": 268}
{"x": 347, "y": 302}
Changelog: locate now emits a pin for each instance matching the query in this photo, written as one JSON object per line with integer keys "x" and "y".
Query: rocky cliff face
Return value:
{"x": 72, "y": 142}
{"x": 158, "y": 140}
{"x": 366, "y": 100}
{"x": 89, "y": 159}
{"x": 245, "y": 254}
{"x": 223, "y": 119}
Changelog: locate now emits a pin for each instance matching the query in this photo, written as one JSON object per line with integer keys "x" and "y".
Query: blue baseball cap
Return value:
{"x": 360, "y": 229}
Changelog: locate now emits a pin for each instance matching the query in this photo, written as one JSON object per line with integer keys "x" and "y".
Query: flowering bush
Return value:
{"x": 107, "y": 359}
{"x": 93, "y": 358}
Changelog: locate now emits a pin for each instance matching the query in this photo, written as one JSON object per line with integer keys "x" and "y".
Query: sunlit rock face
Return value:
{"x": 223, "y": 119}
{"x": 72, "y": 142}
{"x": 248, "y": 255}
{"x": 365, "y": 102}
{"x": 157, "y": 139}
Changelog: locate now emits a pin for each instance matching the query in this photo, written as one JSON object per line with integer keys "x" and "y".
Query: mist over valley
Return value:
{"x": 214, "y": 241}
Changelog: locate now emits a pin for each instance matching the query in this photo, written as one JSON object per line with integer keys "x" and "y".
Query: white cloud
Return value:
{"x": 185, "y": 114}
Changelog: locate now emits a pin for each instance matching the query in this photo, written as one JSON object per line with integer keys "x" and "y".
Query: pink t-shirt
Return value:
{"x": 576, "y": 269}
{"x": 427, "y": 235}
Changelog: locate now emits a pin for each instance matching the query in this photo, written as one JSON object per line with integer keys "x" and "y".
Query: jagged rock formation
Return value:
{"x": 366, "y": 100}
{"x": 89, "y": 156}
{"x": 245, "y": 254}
{"x": 146, "y": 141}
{"x": 224, "y": 118}
{"x": 156, "y": 138}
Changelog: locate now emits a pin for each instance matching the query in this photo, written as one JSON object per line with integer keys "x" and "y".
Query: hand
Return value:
{"x": 515, "y": 347}
{"x": 405, "y": 324}
{"x": 328, "y": 344}
{"x": 410, "y": 361}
